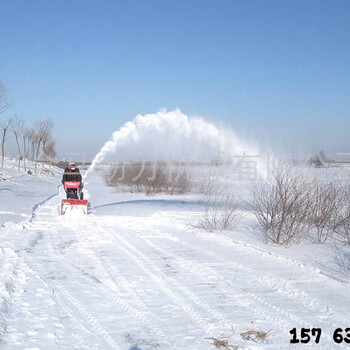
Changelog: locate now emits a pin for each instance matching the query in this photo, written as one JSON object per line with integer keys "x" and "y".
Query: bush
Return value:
{"x": 343, "y": 227}
{"x": 325, "y": 214}
{"x": 219, "y": 207}
{"x": 219, "y": 214}
{"x": 281, "y": 205}
{"x": 150, "y": 178}
{"x": 342, "y": 259}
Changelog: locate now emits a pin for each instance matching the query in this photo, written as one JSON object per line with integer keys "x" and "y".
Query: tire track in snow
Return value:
{"x": 187, "y": 264}
{"x": 56, "y": 299}
{"x": 188, "y": 308}
{"x": 105, "y": 292}
{"x": 142, "y": 315}
{"x": 286, "y": 288}
{"x": 169, "y": 286}
{"x": 269, "y": 280}
{"x": 227, "y": 241}
{"x": 116, "y": 275}
{"x": 161, "y": 282}
{"x": 205, "y": 272}
{"x": 281, "y": 286}
{"x": 119, "y": 279}
{"x": 88, "y": 317}
{"x": 70, "y": 302}
{"x": 12, "y": 289}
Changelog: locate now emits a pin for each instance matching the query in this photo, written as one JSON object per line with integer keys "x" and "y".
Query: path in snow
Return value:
{"x": 143, "y": 282}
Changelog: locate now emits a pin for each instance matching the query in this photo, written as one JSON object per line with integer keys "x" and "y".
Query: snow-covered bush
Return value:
{"x": 343, "y": 224}
{"x": 342, "y": 259}
{"x": 343, "y": 228}
{"x": 219, "y": 207}
{"x": 281, "y": 206}
{"x": 220, "y": 213}
{"x": 150, "y": 178}
{"x": 326, "y": 210}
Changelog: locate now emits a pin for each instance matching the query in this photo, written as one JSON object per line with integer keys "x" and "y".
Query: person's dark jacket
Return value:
{"x": 71, "y": 175}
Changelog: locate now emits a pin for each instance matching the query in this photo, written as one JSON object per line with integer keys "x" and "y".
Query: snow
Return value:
{"x": 20, "y": 192}
{"x": 133, "y": 275}
{"x": 179, "y": 137}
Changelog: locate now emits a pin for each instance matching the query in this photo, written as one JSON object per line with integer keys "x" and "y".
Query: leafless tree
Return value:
{"x": 17, "y": 127}
{"x": 5, "y": 125}
{"x": 43, "y": 135}
{"x": 38, "y": 141}
{"x": 32, "y": 139}
{"x": 49, "y": 150}
{"x": 281, "y": 205}
{"x": 25, "y": 133}
{"x": 4, "y": 103}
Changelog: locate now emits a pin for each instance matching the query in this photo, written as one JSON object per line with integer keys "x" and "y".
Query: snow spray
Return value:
{"x": 169, "y": 136}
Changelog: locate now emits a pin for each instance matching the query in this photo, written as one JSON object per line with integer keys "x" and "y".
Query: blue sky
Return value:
{"x": 277, "y": 71}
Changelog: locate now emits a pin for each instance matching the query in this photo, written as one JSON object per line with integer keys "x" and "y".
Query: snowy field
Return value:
{"x": 20, "y": 191}
{"x": 133, "y": 275}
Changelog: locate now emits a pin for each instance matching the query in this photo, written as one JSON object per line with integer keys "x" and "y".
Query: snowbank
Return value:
{"x": 20, "y": 191}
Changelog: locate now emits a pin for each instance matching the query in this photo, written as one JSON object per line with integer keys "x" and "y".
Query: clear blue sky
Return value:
{"x": 275, "y": 70}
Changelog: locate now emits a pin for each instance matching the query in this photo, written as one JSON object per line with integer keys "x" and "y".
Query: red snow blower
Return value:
{"x": 75, "y": 198}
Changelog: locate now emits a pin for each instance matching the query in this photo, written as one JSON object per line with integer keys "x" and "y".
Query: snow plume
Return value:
{"x": 109, "y": 147}
{"x": 169, "y": 136}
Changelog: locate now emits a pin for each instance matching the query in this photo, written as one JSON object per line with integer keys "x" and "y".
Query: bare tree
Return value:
{"x": 17, "y": 126}
{"x": 49, "y": 150}
{"x": 41, "y": 136}
{"x": 32, "y": 140}
{"x": 44, "y": 131}
{"x": 25, "y": 133}
{"x": 4, "y": 103}
{"x": 5, "y": 126}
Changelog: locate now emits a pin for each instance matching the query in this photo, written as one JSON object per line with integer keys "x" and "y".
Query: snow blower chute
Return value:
{"x": 75, "y": 198}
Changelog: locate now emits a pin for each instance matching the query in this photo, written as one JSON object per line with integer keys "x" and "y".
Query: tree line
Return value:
{"x": 34, "y": 143}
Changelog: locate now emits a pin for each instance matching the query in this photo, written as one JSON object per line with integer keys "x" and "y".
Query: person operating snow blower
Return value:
{"x": 72, "y": 174}
{"x": 72, "y": 184}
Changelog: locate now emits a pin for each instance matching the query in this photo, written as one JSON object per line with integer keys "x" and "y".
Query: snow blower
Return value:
{"x": 75, "y": 198}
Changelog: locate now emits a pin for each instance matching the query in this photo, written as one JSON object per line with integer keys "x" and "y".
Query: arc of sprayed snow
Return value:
{"x": 177, "y": 129}
{"x": 125, "y": 131}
